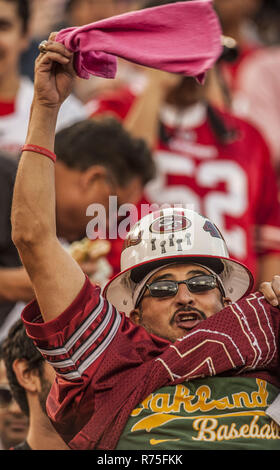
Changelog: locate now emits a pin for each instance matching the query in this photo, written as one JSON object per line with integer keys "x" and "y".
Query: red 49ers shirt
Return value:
{"x": 106, "y": 365}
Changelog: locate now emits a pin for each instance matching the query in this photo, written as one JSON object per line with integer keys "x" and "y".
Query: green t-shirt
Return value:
{"x": 212, "y": 413}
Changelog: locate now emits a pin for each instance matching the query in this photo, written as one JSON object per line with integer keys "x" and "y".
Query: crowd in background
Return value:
{"x": 215, "y": 146}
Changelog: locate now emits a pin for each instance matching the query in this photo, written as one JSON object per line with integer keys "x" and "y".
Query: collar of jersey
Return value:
{"x": 192, "y": 116}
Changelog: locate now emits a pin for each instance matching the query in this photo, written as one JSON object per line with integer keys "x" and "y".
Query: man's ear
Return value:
{"x": 92, "y": 175}
{"x": 135, "y": 316}
{"x": 226, "y": 301}
{"x": 28, "y": 379}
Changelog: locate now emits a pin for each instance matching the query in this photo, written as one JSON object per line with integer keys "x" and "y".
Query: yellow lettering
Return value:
{"x": 223, "y": 404}
{"x": 203, "y": 393}
{"x": 208, "y": 430}
{"x": 182, "y": 397}
{"x": 143, "y": 406}
{"x": 241, "y": 399}
{"x": 183, "y": 400}
{"x": 205, "y": 433}
{"x": 153, "y": 421}
{"x": 259, "y": 398}
{"x": 160, "y": 403}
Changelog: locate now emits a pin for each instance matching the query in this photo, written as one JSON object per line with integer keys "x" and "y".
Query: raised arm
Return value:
{"x": 56, "y": 278}
{"x": 142, "y": 121}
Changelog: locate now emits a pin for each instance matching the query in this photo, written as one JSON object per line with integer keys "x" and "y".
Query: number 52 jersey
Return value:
{"x": 233, "y": 183}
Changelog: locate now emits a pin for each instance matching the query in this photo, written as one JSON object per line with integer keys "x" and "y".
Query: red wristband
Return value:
{"x": 38, "y": 149}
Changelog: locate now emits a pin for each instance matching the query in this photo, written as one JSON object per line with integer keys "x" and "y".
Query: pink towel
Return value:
{"x": 183, "y": 37}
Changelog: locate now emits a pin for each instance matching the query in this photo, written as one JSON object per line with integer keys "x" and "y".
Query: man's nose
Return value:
{"x": 183, "y": 294}
{"x": 14, "y": 408}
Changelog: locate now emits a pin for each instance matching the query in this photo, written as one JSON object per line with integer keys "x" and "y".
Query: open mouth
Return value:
{"x": 188, "y": 320}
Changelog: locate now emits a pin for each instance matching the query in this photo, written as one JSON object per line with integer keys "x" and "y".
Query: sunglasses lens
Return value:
{"x": 5, "y": 397}
{"x": 196, "y": 284}
{"x": 163, "y": 288}
{"x": 201, "y": 283}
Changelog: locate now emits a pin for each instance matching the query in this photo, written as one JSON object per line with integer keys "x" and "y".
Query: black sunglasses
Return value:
{"x": 169, "y": 288}
{"x": 6, "y": 396}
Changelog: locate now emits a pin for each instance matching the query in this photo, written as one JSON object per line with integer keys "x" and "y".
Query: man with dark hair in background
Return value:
{"x": 13, "y": 422}
{"x": 96, "y": 159}
{"x": 30, "y": 379}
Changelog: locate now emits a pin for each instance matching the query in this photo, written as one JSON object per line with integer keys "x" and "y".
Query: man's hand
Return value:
{"x": 271, "y": 291}
{"x": 54, "y": 74}
{"x": 164, "y": 81}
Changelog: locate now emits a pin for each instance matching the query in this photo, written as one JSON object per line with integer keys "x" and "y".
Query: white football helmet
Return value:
{"x": 168, "y": 236}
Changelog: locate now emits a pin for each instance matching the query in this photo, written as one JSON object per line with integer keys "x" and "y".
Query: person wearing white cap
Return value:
{"x": 176, "y": 241}
{"x": 204, "y": 382}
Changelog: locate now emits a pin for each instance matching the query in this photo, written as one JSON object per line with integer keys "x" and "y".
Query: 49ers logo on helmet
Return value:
{"x": 170, "y": 223}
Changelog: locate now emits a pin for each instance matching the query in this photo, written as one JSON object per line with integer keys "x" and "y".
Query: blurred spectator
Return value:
{"x": 13, "y": 423}
{"x": 249, "y": 84}
{"x": 30, "y": 379}
{"x": 16, "y": 91}
{"x": 236, "y": 18}
{"x": 15, "y": 287}
{"x": 257, "y": 97}
{"x": 110, "y": 163}
{"x": 44, "y": 14}
{"x": 208, "y": 158}
{"x": 267, "y": 21}
{"x": 257, "y": 89}
{"x": 218, "y": 163}
{"x": 53, "y": 15}
{"x": 81, "y": 12}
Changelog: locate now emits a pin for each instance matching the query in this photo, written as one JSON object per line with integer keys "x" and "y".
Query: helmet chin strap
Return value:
{"x": 141, "y": 285}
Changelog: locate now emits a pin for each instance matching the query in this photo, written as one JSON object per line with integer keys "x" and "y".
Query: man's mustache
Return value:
{"x": 188, "y": 310}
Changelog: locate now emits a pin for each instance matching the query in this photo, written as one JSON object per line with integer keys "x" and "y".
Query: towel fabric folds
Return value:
{"x": 183, "y": 37}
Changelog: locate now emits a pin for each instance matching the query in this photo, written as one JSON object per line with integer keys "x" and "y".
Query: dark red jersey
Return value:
{"x": 106, "y": 365}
